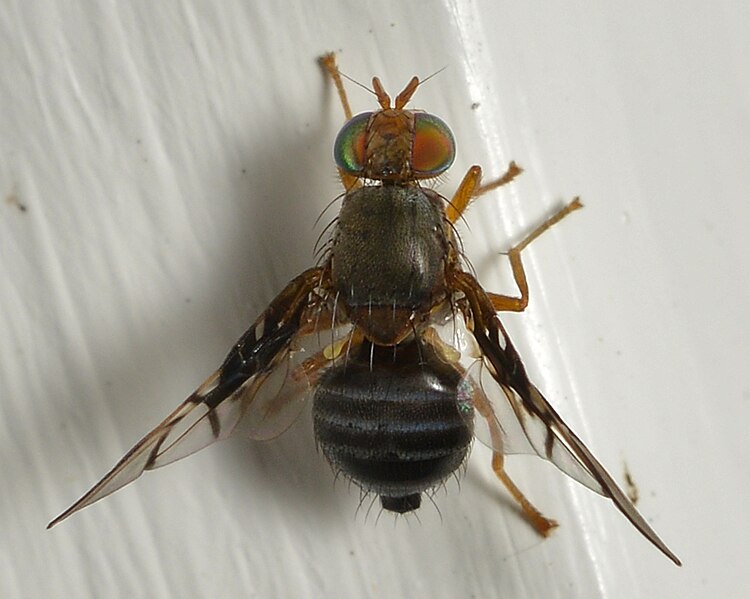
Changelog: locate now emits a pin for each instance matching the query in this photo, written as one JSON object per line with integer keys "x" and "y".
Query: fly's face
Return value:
{"x": 398, "y": 345}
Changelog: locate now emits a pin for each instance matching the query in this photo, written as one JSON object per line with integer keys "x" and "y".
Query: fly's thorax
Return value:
{"x": 389, "y": 258}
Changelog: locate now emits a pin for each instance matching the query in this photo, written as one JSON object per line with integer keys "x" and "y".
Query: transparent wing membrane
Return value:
{"x": 258, "y": 391}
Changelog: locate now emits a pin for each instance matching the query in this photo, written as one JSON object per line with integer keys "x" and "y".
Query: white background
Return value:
{"x": 172, "y": 158}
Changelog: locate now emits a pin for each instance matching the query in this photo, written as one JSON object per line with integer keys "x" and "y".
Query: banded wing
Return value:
{"x": 505, "y": 406}
{"x": 522, "y": 405}
{"x": 259, "y": 386}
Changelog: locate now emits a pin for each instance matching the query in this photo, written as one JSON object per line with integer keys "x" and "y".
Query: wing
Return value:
{"x": 521, "y": 433}
{"x": 518, "y": 432}
{"x": 542, "y": 426}
{"x": 259, "y": 385}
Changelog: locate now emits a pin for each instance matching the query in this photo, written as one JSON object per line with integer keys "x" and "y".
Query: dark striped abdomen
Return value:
{"x": 393, "y": 425}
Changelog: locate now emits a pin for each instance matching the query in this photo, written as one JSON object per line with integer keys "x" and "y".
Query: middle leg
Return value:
{"x": 505, "y": 303}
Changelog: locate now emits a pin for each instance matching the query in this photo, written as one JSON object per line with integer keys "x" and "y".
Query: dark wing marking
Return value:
{"x": 558, "y": 443}
{"x": 252, "y": 384}
{"x": 511, "y": 430}
{"x": 520, "y": 434}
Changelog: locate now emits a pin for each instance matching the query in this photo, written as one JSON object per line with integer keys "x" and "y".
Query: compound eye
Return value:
{"x": 434, "y": 147}
{"x": 349, "y": 148}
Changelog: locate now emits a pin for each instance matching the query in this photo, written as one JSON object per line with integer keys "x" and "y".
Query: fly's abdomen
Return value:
{"x": 391, "y": 422}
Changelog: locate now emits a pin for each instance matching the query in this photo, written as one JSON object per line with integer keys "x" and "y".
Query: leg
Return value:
{"x": 483, "y": 406}
{"x": 504, "y": 303}
{"x": 543, "y": 526}
{"x": 310, "y": 368}
{"x": 328, "y": 62}
{"x": 470, "y": 189}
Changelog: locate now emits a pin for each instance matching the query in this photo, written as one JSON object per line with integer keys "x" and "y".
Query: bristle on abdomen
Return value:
{"x": 392, "y": 425}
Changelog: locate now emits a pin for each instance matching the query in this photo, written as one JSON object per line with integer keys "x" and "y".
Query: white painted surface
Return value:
{"x": 172, "y": 158}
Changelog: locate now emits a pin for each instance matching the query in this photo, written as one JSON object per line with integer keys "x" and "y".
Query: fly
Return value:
{"x": 396, "y": 342}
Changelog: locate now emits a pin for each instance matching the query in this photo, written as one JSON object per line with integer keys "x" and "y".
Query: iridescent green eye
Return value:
{"x": 434, "y": 148}
{"x": 349, "y": 148}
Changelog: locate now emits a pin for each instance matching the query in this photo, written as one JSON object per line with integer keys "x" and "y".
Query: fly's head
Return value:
{"x": 392, "y": 144}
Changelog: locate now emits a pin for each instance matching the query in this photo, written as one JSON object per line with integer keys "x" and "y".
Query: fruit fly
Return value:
{"x": 397, "y": 343}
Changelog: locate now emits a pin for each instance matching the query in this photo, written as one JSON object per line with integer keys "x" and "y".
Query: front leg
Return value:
{"x": 470, "y": 188}
{"x": 328, "y": 62}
